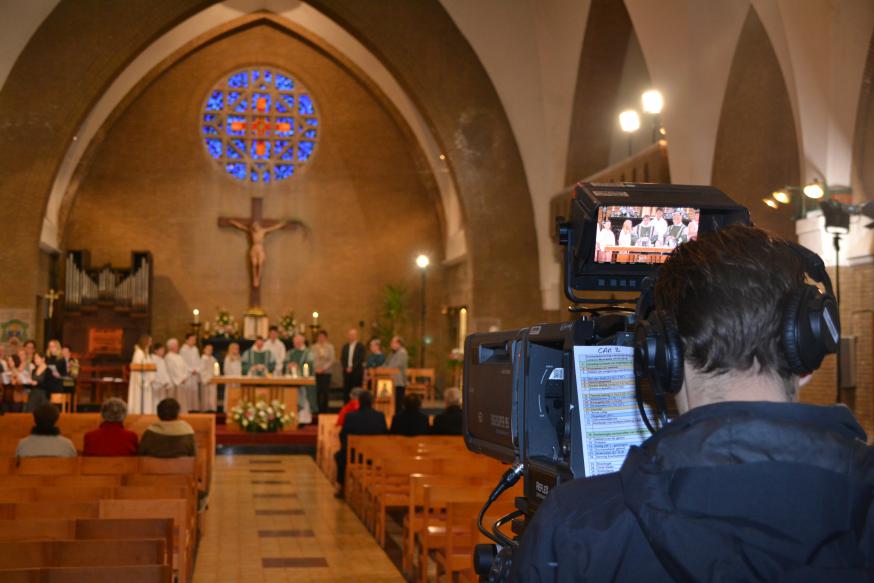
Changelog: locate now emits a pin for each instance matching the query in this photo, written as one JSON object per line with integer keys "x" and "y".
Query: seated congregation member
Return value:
{"x": 208, "y": 366}
{"x": 364, "y": 421}
{"x": 410, "y": 421}
{"x": 398, "y": 359}
{"x": 450, "y": 421}
{"x": 169, "y": 437}
{"x": 45, "y": 439}
{"x": 111, "y": 438}
{"x": 258, "y": 361}
{"x": 41, "y": 383}
{"x": 746, "y": 484}
{"x": 352, "y": 405}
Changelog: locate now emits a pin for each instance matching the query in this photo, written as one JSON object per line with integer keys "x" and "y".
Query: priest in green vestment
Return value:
{"x": 299, "y": 361}
{"x": 258, "y": 360}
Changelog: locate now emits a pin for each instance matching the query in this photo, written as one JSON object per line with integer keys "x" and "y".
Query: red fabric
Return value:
{"x": 347, "y": 408}
{"x": 111, "y": 439}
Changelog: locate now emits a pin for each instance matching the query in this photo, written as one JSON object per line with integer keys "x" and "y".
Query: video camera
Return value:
{"x": 525, "y": 401}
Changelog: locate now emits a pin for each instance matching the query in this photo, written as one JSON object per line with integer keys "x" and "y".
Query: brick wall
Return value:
{"x": 153, "y": 186}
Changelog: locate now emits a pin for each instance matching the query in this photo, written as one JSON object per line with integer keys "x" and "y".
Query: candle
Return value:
{"x": 315, "y": 318}
{"x": 196, "y": 313}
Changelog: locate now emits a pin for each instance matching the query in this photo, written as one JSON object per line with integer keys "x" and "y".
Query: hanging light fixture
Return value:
{"x": 814, "y": 190}
{"x": 781, "y": 196}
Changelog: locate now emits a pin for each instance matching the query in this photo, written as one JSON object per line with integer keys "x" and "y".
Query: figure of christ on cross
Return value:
{"x": 258, "y": 228}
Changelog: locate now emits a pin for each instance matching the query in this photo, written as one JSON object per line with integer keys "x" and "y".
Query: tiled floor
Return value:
{"x": 275, "y": 519}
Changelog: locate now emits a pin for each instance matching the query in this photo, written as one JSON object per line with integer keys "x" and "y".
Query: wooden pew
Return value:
{"x": 81, "y": 553}
{"x": 14, "y": 426}
{"x": 127, "y": 574}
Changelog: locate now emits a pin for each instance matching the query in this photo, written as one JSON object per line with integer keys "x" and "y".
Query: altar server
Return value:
{"x": 258, "y": 361}
{"x": 208, "y": 366}
{"x": 190, "y": 354}
{"x": 162, "y": 387}
{"x": 275, "y": 346}
{"x": 139, "y": 389}
{"x": 184, "y": 380}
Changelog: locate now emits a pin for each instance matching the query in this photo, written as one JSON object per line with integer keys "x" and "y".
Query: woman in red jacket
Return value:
{"x": 111, "y": 438}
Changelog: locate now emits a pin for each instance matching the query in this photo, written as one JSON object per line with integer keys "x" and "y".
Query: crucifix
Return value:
{"x": 51, "y": 298}
{"x": 257, "y": 227}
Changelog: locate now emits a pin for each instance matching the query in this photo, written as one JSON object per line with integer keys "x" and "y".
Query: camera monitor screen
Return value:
{"x": 643, "y": 234}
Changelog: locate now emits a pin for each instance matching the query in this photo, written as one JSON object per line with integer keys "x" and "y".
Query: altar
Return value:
{"x": 282, "y": 389}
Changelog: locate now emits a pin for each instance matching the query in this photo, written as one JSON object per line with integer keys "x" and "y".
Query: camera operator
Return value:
{"x": 746, "y": 484}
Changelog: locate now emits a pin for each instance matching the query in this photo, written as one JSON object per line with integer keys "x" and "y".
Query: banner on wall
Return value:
{"x": 16, "y": 326}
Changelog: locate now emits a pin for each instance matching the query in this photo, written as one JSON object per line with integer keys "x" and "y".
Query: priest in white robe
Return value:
{"x": 184, "y": 380}
{"x": 191, "y": 355}
{"x": 139, "y": 391}
{"x": 162, "y": 387}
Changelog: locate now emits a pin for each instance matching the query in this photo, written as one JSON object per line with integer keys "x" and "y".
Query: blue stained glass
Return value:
{"x": 283, "y": 83}
{"x": 305, "y": 150}
{"x": 236, "y": 170}
{"x": 248, "y": 120}
{"x": 289, "y": 131}
{"x": 283, "y": 171}
{"x": 215, "y": 101}
{"x": 236, "y": 149}
{"x": 215, "y": 147}
{"x": 305, "y": 105}
{"x": 239, "y": 80}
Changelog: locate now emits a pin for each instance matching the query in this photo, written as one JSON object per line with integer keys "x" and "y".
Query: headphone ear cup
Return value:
{"x": 790, "y": 336}
{"x": 673, "y": 356}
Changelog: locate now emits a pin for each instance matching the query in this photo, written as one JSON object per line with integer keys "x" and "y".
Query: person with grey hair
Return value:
{"x": 183, "y": 380}
{"x": 399, "y": 360}
{"x": 450, "y": 421}
{"x": 111, "y": 439}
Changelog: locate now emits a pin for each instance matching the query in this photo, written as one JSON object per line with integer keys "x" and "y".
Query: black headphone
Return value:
{"x": 810, "y": 330}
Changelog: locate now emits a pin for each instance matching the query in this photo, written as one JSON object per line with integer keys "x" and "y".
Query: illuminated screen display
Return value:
{"x": 643, "y": 234}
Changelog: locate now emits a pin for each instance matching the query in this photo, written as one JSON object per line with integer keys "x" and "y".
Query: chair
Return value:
{"x": 420, "y": 381}
{"x": 65, "y": 400}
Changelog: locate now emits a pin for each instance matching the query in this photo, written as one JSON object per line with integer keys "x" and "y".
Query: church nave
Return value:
{"x": 274, "y": 519}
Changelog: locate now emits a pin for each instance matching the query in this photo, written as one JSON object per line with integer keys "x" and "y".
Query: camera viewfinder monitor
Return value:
{"x": 620, "y": 233}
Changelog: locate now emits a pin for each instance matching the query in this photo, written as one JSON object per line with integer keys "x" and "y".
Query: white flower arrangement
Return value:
{"x": 261, "y": 417}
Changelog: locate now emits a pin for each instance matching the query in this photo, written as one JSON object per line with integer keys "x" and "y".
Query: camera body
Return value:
{"x": 521, "y": 403}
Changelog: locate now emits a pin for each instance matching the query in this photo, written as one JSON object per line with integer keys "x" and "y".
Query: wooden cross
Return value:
{"x": 52, "y": 297}
{"x": 258, "y": 228}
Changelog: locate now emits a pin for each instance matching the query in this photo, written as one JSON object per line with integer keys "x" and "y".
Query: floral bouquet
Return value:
{"x": 261, "y": 417}
{"x": 456, "y": 358}
{"x": 224, "y": 326}
{"x": 287, "y": 325}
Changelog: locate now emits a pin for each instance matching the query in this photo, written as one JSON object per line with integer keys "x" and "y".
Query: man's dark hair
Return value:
{"x": 44, "y": 418}
{"x": 323, "y": 333}
{"x": 726, "y": 292}
{"x": 273, "y": 329}
{"x": 189, "y": 335}
{"x": 26, "y": 342}
{"x": 412, "y": 402}
{"x": 365, "y": 400}
{"x": 259, "y": 337}
{"x": 168, "y": 410}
